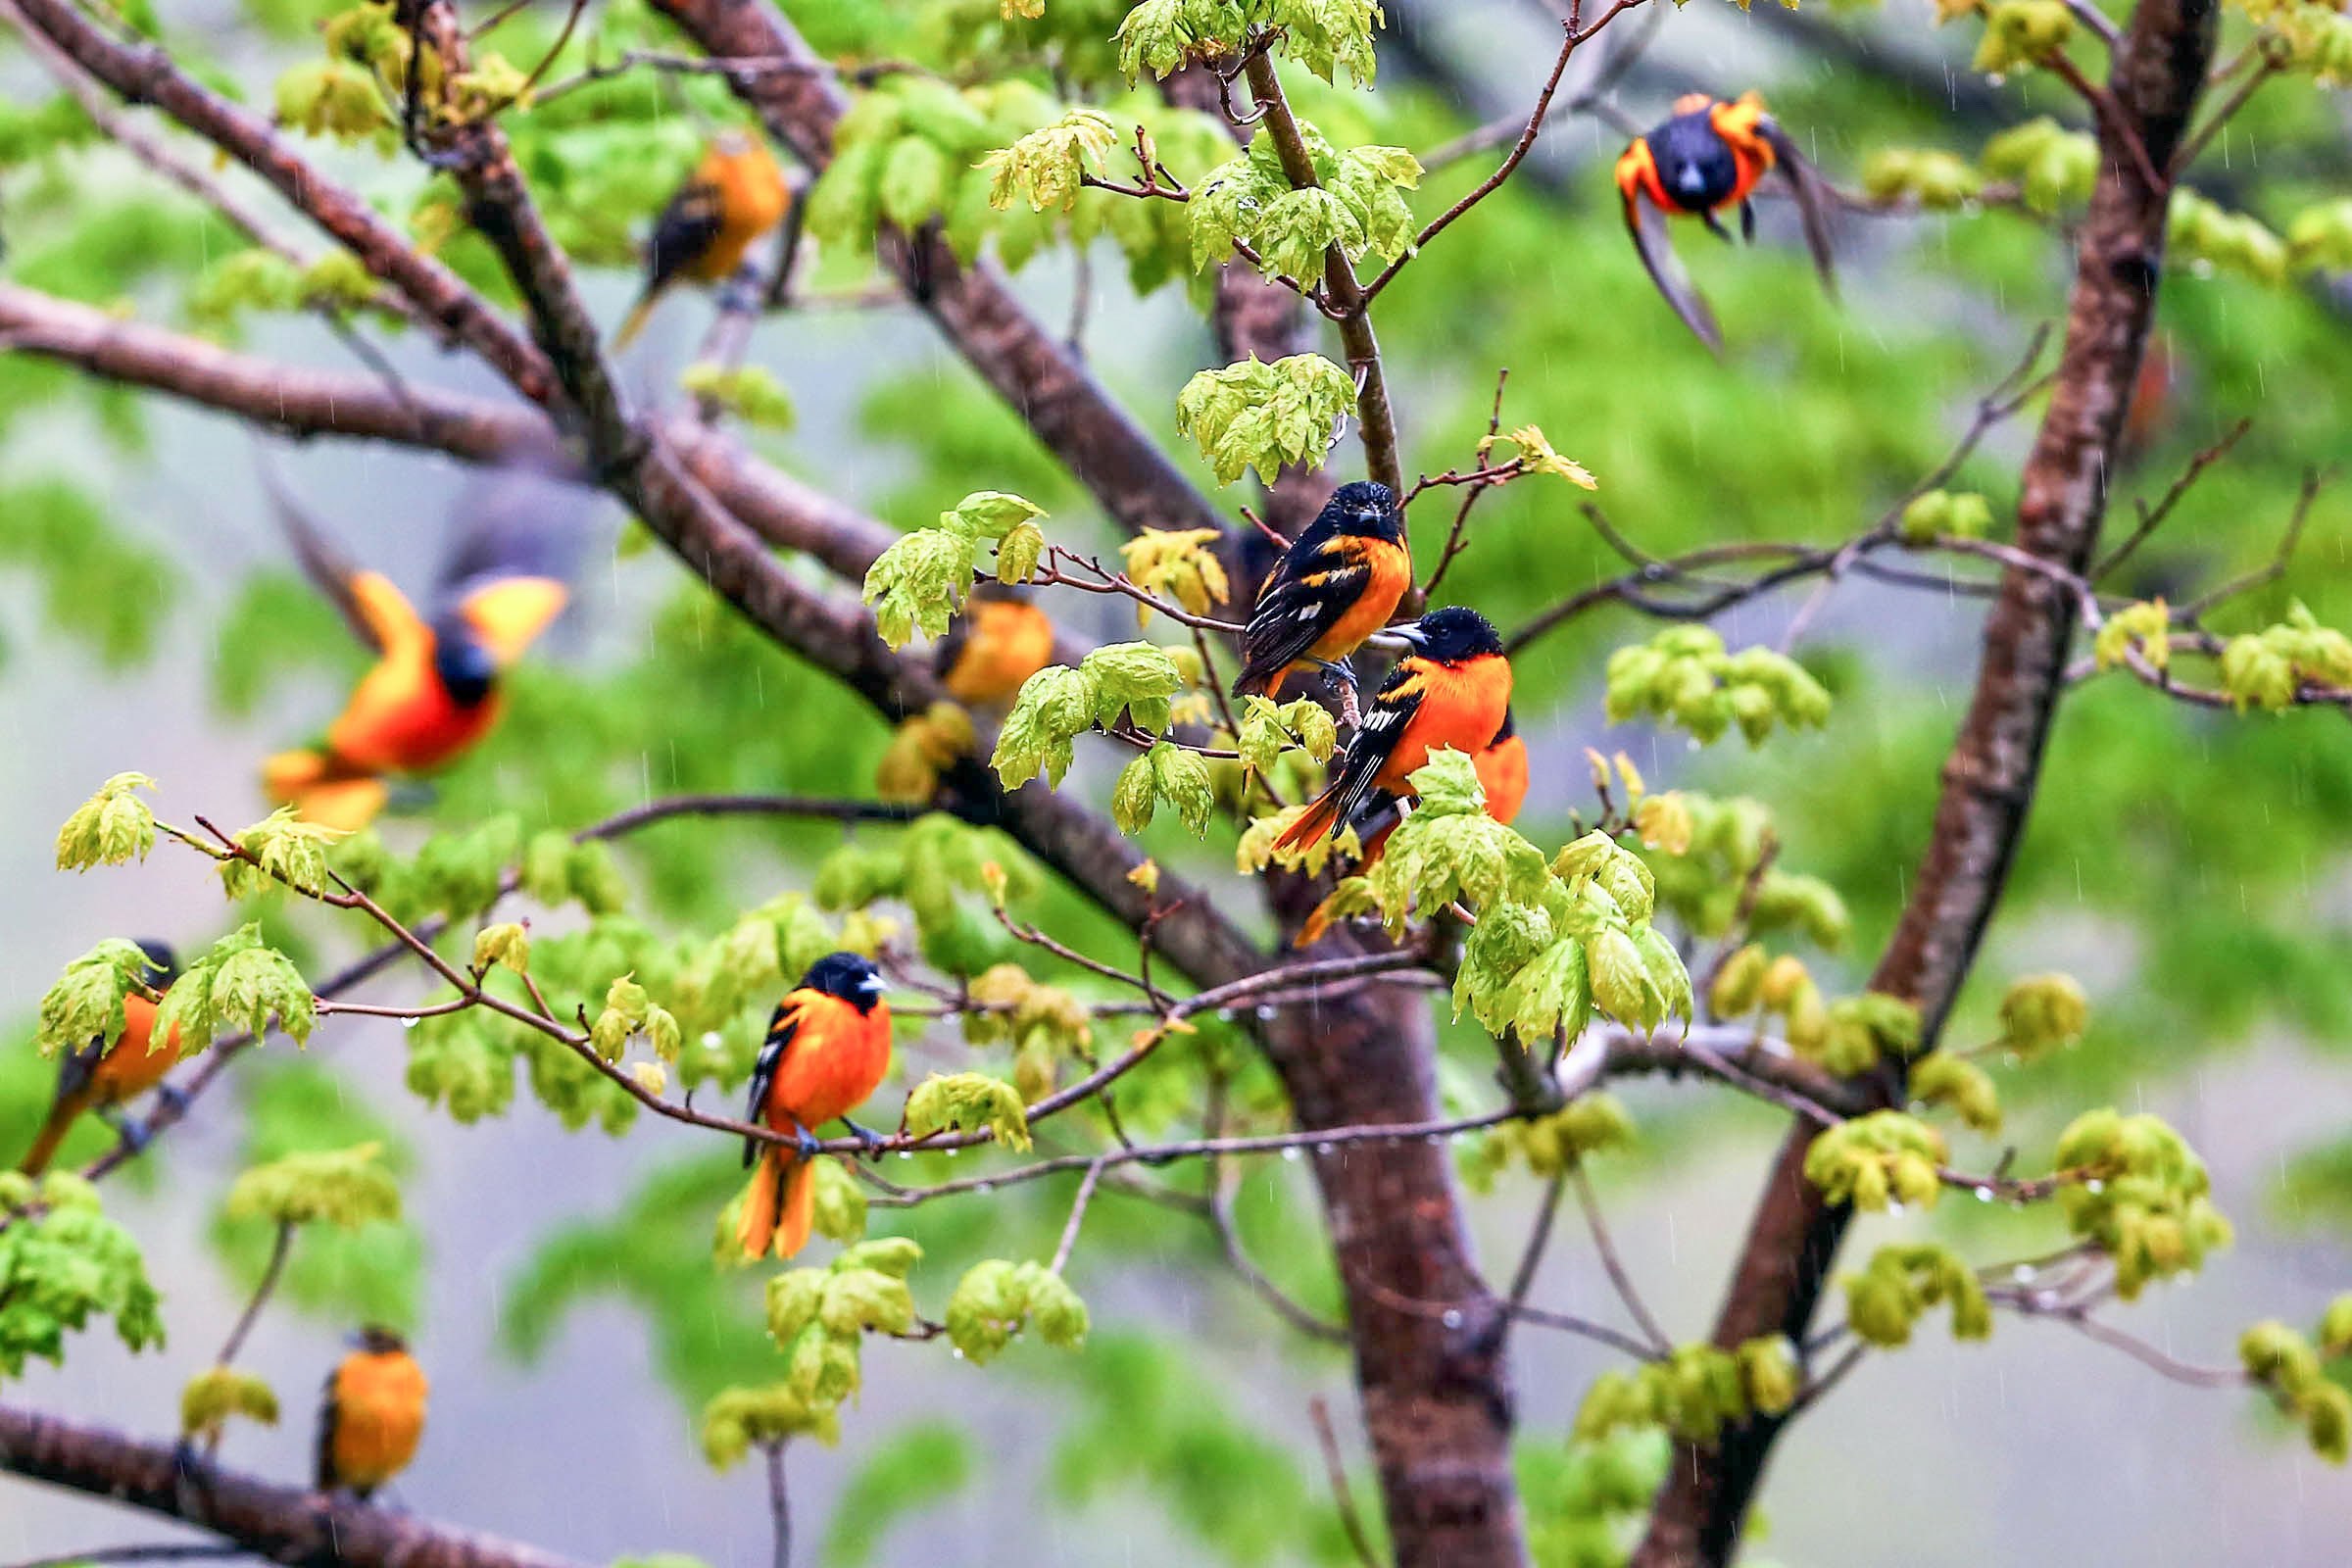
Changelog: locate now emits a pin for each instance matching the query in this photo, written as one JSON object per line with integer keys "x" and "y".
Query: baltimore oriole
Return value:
{"x": 372, "y": 1415}
{"x": 1502, "y": 772}
{"x": 1337, "y": 584}
{"x": 827, "y": 1049}
{"x": 1453, "y": 691}
{"x": 735, "y": 195}
{"x": 1707, "y": 157}
{"x": 105, "y": 1074}
{"x": 998, "y": 641}
{"x": 434, "y": 690}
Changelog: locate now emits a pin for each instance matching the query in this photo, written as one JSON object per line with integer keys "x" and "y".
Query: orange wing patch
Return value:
{"x": 508, "y": 615}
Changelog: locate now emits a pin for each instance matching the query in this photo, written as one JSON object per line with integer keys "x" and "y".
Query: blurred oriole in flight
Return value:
{"x": 434, "y": 690}
{"x": 827, "y": 1049}
{"x": 105, "y": 1074}
{"x": 1337, "y": 584}
{"x": 1707, "y": 157}
{"x": 998, "y": 641}
{"x": 735, "y": 195}
{"x": 372, "y": 1415}
{"x": 1453, "y": 690}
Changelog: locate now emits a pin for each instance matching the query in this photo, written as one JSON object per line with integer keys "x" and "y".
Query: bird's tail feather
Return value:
{"x": 780, "y": 1209}
{"x": 1318, "y": 821}
{"x": 634, "y": 323}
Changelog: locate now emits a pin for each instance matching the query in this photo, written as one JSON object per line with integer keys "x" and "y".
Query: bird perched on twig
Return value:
{"x": 436, "y": 687}
{"x": 372, "y": 1415}
{"x": 735, "y": 195}
{"x": 1336, "y": 585}
{"x": 105, "y": 1074}
{"x": 1708, "y": 157}
{"x": 827, "y": 1050}
{"x": 1452, "y": 691}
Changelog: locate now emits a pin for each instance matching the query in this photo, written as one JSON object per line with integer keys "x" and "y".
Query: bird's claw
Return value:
{"x": 807, "y": 1143}
{"x": 1339, "y": 677}
{"x": 135, "y": 1134}
{"x": 172, "y": 1098}
{"x": 867, "y": 1137}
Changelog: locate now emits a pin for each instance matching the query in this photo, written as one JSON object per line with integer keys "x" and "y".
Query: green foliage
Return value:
{"x": 2042, "y": 1014}
{"x": 2141, "y": 1196}
{"x": 1043, "y": 1025}
{"x": 1260, "y": 416}
{"x": 1323, "y": 35}
{"x": 113, "y": 827}
{"x": 1693, "y": 1393}
{"x": 1059, "y": 703}
{"x": 997, "y": 1300}
{"x": 738, "y": 1420}
{"x": 933, "y": 865}
{"x": 913, "y": 1469}
{"x": 239, "y": 984}
{"x": 2283, "y": 1363}
{"x": 2267, "y": 668}
{"x": 1168, "y": 773}
{"x": 1940, "y": 514}
{"x": 819, "y": 1317}
{"x": 1179, "y": 563}
{"x": 1889, "y": 1294}
{"x": 1044, "y": 167}
{"x": 279, "y": 850}
{"x": 1551, "y": 1145}
{"x": 1960, "y": 1086}
{"x": 1682, "y": 676}
{"x": 1722, "y": 855}
{"x": 63, "y": 1263}
{"x": 347, "y": 1188}
{"x": 1587, "y": 1501}
{"x": 1939, "y": 182}
{"x": 99, "y": 590}
{"x": 1268, "y": 729}
{"x": 1356, "y": 206}
{"x": 2142, "y": 630}
{"x": 1877, "y": 1159}
{"x": 2053, "y": 167}
{"x": 749, "y": 392}
{"x": 968, "y": 1102}
{"x": 2021, "y": 33}
{"x": 86, "y": 1002}
{"x": 2211, "y": 236}
{"x": 917, "y": 583}
{"x": 214, "y": 1397}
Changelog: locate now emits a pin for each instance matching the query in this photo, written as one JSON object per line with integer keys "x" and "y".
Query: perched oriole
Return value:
{"x": 1502, "y": 772}
{"x": 1453, "y": 690}
{"x": 998, "y": 641}
{"x": 1707, "y": 157}
{"x": 434, "y": 690}
{"x": 827, "y": 1049}
{"x": 371, "y": 1414}
{"x": 105, "y": 1075}
{"x": 1337, "y": 584}
{"x": 735, "y": 195}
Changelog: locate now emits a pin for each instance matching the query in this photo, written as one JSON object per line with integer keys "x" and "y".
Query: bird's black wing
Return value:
{"x": 1310, "y": 590}
{"x": 1385, "y": 720}
{"x": 327, "y": 568}
{"x": 1647, "y": 226}
{"x": 1814, "y": 199}
{"x": 326, "y": 1460}
{"x": 684, "y": 232}
{"x": 782, "y": 1027}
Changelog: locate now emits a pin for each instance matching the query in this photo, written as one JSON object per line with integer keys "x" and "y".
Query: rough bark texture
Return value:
{"x": 1029, "y": 366}
{"x": 281, "y": 1524}
{"x": 1988, "y": 779}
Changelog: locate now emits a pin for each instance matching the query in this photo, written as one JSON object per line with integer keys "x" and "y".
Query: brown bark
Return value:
{"x": 1988, "y": 779}
{"x": 1028, "y": 365}
{"x": 283, "y": 1524}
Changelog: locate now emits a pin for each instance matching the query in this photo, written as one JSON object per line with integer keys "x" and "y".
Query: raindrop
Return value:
{"x": 2094, "y": 1185}
{"x": 1265, "y": 1009}
{"x": 1452, "y": 1318}
{"x": 409, "y": 1023}
{"x": 959, "y": 1353}
{"x": 1996, "y": 79}
{"x": 983, "y": 1189}
{"x": 905, "y": 1153}
{"x": 1291, "y": 1153}
{"x": 2024, "y": 1273}
{"x": 1984, "y": 1195}
{"x": 712, "y": 1040}
{"x": 1894, "y": 1207}
{"x": 1225, "y": 1013}
{"x": 1326, "y": 1147}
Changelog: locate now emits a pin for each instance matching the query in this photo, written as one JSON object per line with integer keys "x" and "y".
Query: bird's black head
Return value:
{"x": 467, "y": 669}
{"x": 163, "y": 964}
{"x": 377, "y": 1339}
{"x": 846, "y": 975}
{"x": 1510, "y": 728}
{"x": 1696, "y": 167}
{"x": 1453, "y": 635}
{"x": 1364, "y": 508}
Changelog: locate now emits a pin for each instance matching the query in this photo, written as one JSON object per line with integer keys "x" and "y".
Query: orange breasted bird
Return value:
{"x": 827, "y": 1050}
{"x": 998, "y": 641}
{"x": 735, "y": 195}
{"x": 103, "y": 1075}
{"x": 372, "y": 1415}
{"x": 435, "y": 689}
{"x": 1453, "y": 690}
{"x": 1338, "y": 583}
{"x": 1707, "y": 157}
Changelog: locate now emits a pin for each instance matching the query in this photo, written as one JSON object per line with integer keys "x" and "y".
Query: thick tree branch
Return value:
{"x": 282, "y": 1524}
{"x": 1989, "y": 781}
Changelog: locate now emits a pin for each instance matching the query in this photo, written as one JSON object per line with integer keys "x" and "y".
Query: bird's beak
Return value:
{"x": 1411, "y": 634}
{"x": 873, "y": 985}
{"x": 1690, "y": 181}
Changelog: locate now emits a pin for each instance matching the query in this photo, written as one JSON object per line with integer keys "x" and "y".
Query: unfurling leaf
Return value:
{"x": 967, "y": 1101}
{"x": 113, "y": 827}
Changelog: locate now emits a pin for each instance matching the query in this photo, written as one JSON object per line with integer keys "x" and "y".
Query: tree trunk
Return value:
{"x": 1988, "y": 779}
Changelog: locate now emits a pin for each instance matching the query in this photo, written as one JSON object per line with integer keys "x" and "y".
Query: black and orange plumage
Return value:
{"x": 734, "y": 196}
{"x": 105, "y": 1075}
{"x": 1336, "y": 585}
{"x": 1707, "y": 157}
{"x": 998, "y": 640}
{"x": 827, "y": 1050}
{"x": 1503, "y": 773}
{"x": 372, "y": 1415}
{"x": 1452, "y": 691}
{"x": 436, "y": 688}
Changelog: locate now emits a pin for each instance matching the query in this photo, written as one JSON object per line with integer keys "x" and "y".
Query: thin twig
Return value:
{"x": 1350, "y": 1521}
{"x": 1078, "y": 1205}
{"x": 280, "y": 1246}
{"x": 1612, "y": 1265}
{"x": 779, "y": 1506}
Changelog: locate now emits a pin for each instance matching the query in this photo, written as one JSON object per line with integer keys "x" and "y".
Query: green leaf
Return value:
{"x": 1137, "y": 679}
{"x": 1055, "y": 707}
{"x": 86, "y": 1003}
{"x": 967, "y": 1101}
{"x": 996, "y": 1301}
{"x": 740, "y": 1419}
{"x": 113, "y": 827}
{"x": 508, "y": 944}
{"x": 66, "y": 1263}
{"x": 279, "y": 850}
{"x": 749, "y": 392}
{"x": 213, "y": 1396}
{"x": 346, "y": 1188}
{"x": 1264, "y": 416}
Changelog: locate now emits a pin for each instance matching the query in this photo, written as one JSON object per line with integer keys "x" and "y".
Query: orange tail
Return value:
{"x": 780, "y": 1209}
{"x": 1319, "y": 822}
{"x": 53, "y": 1133}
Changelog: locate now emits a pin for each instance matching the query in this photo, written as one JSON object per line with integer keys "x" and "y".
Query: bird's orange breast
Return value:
{"x": 1503, "y": 772}
{"x": 379, "y": 1416}
{"x": 838, "y": 1057}
{"x": 1008, "y": 644}
{"x": 131, "y": 1066}
{"x": 1391, "y": 568}
{"x": 401, "y": 719}
{"x": 752, "y": 198}
{"x": 1462, "y": 707}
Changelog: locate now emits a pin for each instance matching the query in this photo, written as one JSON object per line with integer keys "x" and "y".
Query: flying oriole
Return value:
{"x": 371, "y": 1414}
{"x": 998, "y": 641}
{"x": 827, "y": 1049}
{"x": 1453, "y": 691}
{"x": 735, "y": 195}
{"x": 1707, "y": 157}
{"x": 1337, "y": 584}
{"x": 105, "y": 1074}
{"x": 434, "y": 690}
